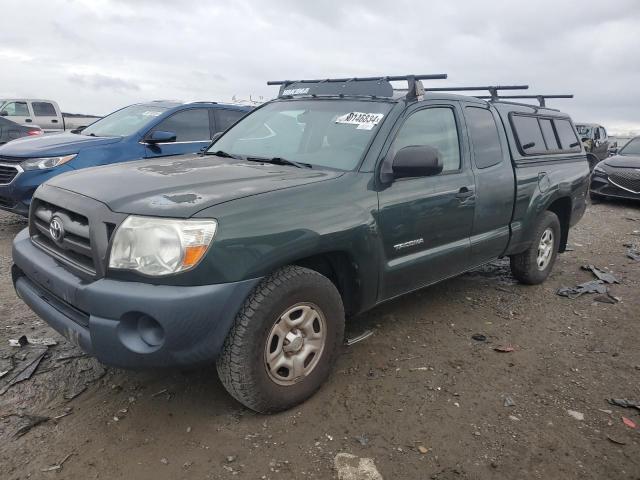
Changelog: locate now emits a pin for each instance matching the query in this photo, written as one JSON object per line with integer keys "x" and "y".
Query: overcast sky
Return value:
{"x": 94, "y": 56}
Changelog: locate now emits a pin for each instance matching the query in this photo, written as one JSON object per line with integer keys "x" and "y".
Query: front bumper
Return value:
{"x": 104, "y": 316}
{"x": 603, "y": 186}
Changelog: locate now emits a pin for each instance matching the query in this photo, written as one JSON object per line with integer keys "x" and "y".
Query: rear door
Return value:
{"x": 193, "y": 133}
{"x": 46, "y": 116}
{"x": 495, "y": 184}
{"x": 425, "y": 222}
{"x": 18, "y": 112}
{"x": 225, "y": 117}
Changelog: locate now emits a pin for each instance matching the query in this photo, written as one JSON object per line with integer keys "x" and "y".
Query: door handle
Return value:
{"x": 54, "y": 121}
{"x": 464, "y": 193}
{"x": 28, "y": 120}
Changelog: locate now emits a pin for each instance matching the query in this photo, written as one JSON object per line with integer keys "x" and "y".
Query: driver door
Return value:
{"x": 193, "y": 133}
{"x": 426, "y": 222}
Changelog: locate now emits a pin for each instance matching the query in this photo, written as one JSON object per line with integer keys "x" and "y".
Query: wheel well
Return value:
{"x": 562, "y": 208}
{"x": 340, "y": 268}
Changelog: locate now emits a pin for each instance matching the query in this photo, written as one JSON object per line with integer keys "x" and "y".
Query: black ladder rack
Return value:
{"x": 493, "y": 89}
{"x": 362, "y": 86}
{"x": 541, "y": 98}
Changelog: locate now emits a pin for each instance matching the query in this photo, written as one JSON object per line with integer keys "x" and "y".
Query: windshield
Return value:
{"x": 124, "y": 122}
{"x": 631, "y": 148}
{"x": 583, "y": 130}
{"x": 325, "y": 133}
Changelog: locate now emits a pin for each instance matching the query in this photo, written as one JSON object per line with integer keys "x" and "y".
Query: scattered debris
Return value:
{"x": 359, "y": 338}
{"x": 616, "y": 440}
{"x": 478, "y": 337}
{"x": 67, "y": 411}
{"x": 514, "y": 418}
{"x": 362, "y": 440}
{"x": 164, "y": 461}
{"x": 423, "y": 450}
{"x": 350, "y": 467}
{"x": 231, "y": 458}
{"x": 24, "y": 341}
{"x": 418, "y": 369}
{"x": 74, "y": 394}
{"x": 157, "y": 394}
{"x": 25, "y": 373}
{"x": 504, "y": 348}
{"x": 57, "y": 466}
{"x": 629, "y": 423}
{"x": 508, "y": 402}
{"x": 576, "y": 415}
{"x": 624, "y": 403}
{"x": 32, "y": 421}
{"x": 600, "y": 274}
{"x": 594, "y": 286}
{"x": 633, "y": 251}
{"x": 606, "y": 298}
{"x": 3, "y": 373}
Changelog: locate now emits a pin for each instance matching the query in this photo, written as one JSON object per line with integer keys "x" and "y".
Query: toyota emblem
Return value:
{"x": 56, "y": 230}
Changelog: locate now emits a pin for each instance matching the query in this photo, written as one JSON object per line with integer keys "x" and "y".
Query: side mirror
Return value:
{"x": 78, "y": 129}
{"x": 160, "y": 136}
{"x": 4, "y": 113}
{"x": 613, "y": 151}
{"x": 416, "y": 161}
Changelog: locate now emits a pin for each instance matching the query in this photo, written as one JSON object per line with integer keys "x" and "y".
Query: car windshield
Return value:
{"x": 631, "y": 148}
{"x": 324, "y": 133}
{"x": 124, "y": 122}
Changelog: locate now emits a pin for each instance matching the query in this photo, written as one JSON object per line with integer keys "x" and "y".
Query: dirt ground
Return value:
{"x": 420, "y": 397}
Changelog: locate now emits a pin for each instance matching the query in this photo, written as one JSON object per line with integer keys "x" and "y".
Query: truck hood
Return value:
{"x": 53, "y": 145}
{"x": 623, "y": 161}
{"x": 181, "y": 186}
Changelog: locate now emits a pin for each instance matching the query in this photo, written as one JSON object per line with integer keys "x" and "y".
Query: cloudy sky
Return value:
{"x": 94, "y": 56}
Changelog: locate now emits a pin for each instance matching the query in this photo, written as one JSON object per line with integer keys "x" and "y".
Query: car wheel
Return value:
{"x": 534, "y": 264}
{"x": 284, "y": 341}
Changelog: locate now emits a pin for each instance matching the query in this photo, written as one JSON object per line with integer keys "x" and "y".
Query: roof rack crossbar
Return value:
{"x": 415, "y": 85}
{"x": 541, "y": 98}
{"x": 493, "y": 89}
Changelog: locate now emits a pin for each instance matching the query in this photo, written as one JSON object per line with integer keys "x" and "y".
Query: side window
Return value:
{"x": 226, "y": 118}
{"x": 18, "y": 109}
{"x": 603, "y": 134}
{"x": 549, "y": 134}
{"x": 487, "y": 150}
{"x": 435, "y": 127}
{"x": 188, "y": 125}
{"x": 43, "y": 109}
{"x": 568, "y": 139}
{"x": 529, "y": 134}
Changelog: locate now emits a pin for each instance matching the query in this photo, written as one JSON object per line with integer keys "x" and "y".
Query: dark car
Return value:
{"x": 334, "y": 198}
{"x": 618, "y": 176}
{"x": 595, "y": 140}
{"x": 11, "y": 131}
{"x": 149, "y": 130}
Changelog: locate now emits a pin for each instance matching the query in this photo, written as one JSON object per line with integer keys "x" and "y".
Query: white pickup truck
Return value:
{"x": 44, "y": 113}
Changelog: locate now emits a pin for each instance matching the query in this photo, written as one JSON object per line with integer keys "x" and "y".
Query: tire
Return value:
{"x": 525, "y": 266}
{"x": 290, "y": 295}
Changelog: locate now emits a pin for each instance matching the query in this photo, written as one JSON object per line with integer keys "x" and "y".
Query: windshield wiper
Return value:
{"x": 222, "y": 154}
{"x": 280, "y": 161}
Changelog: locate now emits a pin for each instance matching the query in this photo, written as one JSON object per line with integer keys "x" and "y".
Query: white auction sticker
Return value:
{"x": 364, "y": 121}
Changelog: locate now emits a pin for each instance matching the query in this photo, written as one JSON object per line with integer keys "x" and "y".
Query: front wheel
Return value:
{"x": 534, "y": 264}
{"x": 284, "y": 341}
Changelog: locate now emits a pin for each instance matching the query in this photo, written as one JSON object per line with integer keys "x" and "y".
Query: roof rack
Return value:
{"x": 364, "y": 86}
{"x": 493, "y": 89}
{"x": 541, "y": 98}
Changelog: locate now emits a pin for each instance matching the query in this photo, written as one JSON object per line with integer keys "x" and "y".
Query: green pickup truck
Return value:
{"x": 333, "y": 198}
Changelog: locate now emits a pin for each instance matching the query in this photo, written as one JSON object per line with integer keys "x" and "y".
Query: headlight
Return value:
{"x": 599, "y": 169}
{"x": 159, "y": 246}
{"x": 46, "y": 162}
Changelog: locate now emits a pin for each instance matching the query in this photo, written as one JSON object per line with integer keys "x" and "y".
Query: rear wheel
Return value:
{"x": 284, "y": 341}
{"x": 534, "y": 264}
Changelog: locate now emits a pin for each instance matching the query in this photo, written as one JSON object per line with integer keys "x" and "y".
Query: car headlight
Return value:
{"x": 43, "y": 163}
{"x": 599, "y": 169}
{"x": 160, "y": 246}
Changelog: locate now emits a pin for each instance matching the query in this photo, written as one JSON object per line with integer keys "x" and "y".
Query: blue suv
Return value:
{"x": 148, "y": 130}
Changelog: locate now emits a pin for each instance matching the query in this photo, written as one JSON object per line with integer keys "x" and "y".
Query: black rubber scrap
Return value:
{"x": 624, "y": 403}
{"x": 594, "y": 286}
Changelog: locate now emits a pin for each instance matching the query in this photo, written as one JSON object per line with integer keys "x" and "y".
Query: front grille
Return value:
{"x": 7, "y": 173}
{"x": 628, "y": 178}
{"x": 74, "y": 245}
{"x": 5, "y": 159}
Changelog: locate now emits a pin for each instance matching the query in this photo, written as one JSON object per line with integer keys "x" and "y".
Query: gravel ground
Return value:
{"x": 420, "y": 397}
